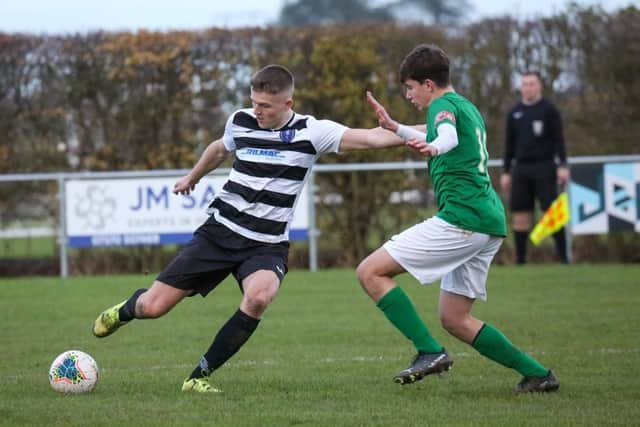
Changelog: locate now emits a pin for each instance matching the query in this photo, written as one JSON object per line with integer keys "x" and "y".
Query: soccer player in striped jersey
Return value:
{"x": 247, "y": 232}
{"x": 458, "y": 244}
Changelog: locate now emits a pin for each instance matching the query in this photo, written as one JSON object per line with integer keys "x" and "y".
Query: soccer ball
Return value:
{"x": 73, "y": 371}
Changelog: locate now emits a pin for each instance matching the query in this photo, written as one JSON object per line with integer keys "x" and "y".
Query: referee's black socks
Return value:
{"x": 227, "y": 342}
{"x": 561, "y": 246}
{"x": 521, "y": 238}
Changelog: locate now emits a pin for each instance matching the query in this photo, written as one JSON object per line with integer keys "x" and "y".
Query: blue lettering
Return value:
{"x": 188, "y": 201}
{"x": 163, "y": 197}
{"x": 139, "y": 205}
{"x": 207, "y": 197}
{"x": 262, "y": 152}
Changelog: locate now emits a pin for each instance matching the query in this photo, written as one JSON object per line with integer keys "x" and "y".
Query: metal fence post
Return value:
{"x": 313, "y": 231}
{"x": 62, "y": 227}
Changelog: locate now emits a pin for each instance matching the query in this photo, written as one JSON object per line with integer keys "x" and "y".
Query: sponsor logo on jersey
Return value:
{"x": 260, "y": 152}
{"x": 445, "y": 115}
{"x": 287, "y": 135}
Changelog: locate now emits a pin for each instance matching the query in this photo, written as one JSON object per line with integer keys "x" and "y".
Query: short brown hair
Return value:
{"x": 426, "y": 61}
{"x": 535, "y": 73}
{"x": 272, "y": 79}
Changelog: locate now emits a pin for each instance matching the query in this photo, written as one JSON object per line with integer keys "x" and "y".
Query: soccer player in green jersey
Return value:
{"x": 458, "y": 244}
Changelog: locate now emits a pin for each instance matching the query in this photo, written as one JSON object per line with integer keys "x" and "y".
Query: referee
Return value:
{"x": 535, "y": 162}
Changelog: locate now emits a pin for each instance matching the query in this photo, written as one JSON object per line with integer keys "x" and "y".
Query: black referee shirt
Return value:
{"x": 534, "y": 134}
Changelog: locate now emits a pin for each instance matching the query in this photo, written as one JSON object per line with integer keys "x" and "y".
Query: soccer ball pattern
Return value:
{"x": 73, "y": 371}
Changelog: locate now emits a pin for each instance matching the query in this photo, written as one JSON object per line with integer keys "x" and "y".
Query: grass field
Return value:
{"x": 324, "y": 355}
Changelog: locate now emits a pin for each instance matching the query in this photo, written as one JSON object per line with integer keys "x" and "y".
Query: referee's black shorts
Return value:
{"x": 531, "y": 181}
{"x": 214, "y": 252}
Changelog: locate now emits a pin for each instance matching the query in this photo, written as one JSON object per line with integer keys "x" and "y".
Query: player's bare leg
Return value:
{"x": 456, "y": 318}
{"x": 375, "y": 274}
{"x": 143, "y": 304}
{"x": 455, "y": 315}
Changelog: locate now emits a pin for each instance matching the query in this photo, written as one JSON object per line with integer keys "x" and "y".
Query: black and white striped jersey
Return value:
{"x": 269, "y": 172}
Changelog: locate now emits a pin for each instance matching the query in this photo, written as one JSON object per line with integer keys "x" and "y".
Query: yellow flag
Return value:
{"x": 553, "y": 219}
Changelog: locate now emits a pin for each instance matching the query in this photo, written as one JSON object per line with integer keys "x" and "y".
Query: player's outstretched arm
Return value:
{"x": 210, "y": 159}
{"x": 363, "y": 139}
{"x": 389, "y": 134}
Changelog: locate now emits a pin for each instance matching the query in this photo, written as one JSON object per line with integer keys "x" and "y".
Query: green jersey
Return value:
{"x": 460, "y": 179}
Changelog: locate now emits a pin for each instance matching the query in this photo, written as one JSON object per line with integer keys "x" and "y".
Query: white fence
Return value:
{"x": 62, "y": 228}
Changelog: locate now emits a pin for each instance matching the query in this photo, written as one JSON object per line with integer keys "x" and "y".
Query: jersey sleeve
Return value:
{"x": 440, "y": 111}
{"x": 326, "y": 135}
{"x": 227, "y": 137}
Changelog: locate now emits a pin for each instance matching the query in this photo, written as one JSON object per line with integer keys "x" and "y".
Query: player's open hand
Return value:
{"x": 421, "y": 147}
{"x": 184, "y": 186}
{"x": 384, "y": 120}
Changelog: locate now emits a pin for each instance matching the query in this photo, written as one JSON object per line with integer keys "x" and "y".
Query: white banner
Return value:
{"x": 144, "y": 211}
{"x": 605, "y": 197}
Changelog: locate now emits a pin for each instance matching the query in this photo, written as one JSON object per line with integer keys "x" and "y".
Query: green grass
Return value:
{"x": 324, "y": 355}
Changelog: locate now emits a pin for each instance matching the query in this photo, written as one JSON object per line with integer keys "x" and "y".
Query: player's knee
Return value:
{"x": 364, "y": 274}
{"x": 149, "y": 308}
{"x": 257, "y": 300}
{"x": 522, "y": 221}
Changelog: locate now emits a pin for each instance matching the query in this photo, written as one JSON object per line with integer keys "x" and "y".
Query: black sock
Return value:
{"x": 521, "y": 238}
{"x": 561, "y": 245}
{"x": 128, "y": 310}
{"x": 230, "y": 338}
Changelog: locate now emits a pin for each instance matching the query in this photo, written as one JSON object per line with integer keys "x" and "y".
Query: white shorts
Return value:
{"x": 435, "y": 249}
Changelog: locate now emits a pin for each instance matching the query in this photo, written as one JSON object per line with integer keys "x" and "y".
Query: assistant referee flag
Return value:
{"x": 556, "y": 217}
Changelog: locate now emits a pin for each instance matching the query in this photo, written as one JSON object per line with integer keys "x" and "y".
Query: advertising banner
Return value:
{"x": 144, "y": 211}
{"x": 605, "y": 197}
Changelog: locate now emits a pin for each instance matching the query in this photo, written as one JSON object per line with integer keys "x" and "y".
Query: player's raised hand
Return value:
{"x": 384, "y": 120}
{"x": 184, "y": 186}
{"x": 421, "y": 147}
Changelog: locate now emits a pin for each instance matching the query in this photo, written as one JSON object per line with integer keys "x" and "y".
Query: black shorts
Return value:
{"x": 214, "y": 252}
{"x": 533, "y": 181}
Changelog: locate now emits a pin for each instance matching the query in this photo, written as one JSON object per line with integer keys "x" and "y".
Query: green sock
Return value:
{"x": 401, "y": 312}
{"x": 492, "y": 343}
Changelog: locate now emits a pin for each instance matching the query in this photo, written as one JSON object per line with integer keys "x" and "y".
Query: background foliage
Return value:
{"x": 150, "y": 100}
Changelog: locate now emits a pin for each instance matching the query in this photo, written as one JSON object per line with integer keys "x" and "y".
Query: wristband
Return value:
{"x": 407, "y": 133}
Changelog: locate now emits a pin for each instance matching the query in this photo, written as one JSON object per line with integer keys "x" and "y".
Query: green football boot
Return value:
{"x": 199, "y": 385}
{"x": 108, "y": 322}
